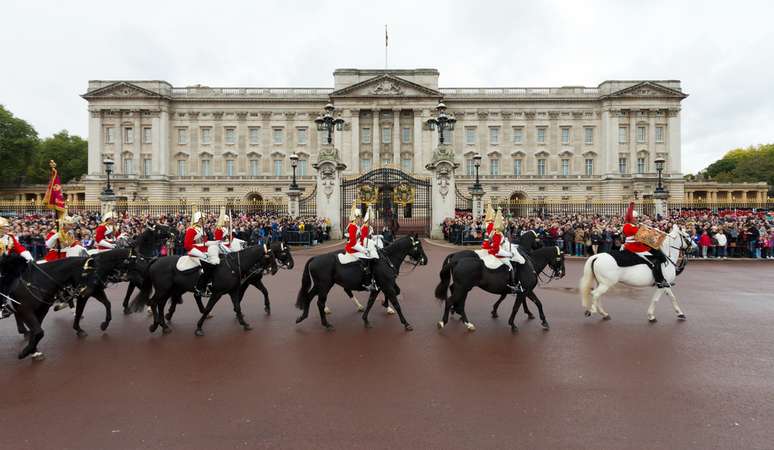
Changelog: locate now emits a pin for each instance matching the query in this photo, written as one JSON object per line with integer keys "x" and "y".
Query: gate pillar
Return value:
{"x": 329, "y": 168}
{"x": 660, "y": 204}
{"x": 293, "y": 206}
{"x": 443, "y": 188}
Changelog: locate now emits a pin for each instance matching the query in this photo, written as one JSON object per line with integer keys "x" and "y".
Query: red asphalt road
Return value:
{"x": 707, "y": 383}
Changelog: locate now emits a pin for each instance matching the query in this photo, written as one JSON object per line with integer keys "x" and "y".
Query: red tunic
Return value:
{"x": 54, "y": 254}
{"x": 351, "y": 238}
{"x": 629, "y": 230}
{"x": 494, "y": 245}
{"x": 190, "y": 241}
{"x": 365, "y": 231}
{"x": 488, "y": 232}
{"x": 13, "y": 246}
{"x": 102, "y": 233}
{"x": 222, "y": 235}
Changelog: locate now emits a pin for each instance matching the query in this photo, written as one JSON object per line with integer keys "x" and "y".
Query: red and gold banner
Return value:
{"x": 54, "y": 198}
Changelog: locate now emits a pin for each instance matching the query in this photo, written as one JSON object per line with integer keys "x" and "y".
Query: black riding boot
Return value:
{"x": 658, "y": 275}
{"x": 515, "y": 284}
{"x": 368, "y": 275}
{"x": 203, "y": 284}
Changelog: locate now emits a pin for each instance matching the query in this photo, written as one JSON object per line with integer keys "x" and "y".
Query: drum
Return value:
{"x": 651, "y": 237}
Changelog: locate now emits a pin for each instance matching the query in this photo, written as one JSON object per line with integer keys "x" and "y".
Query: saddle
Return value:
{"x": 625, "y": 258}
{"x": 347, "y": 258}
{"x": 186, "y": 263}
{"x": 490, "y": 261}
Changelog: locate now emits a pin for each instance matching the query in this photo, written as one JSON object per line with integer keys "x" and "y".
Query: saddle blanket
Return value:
{"x": 628, "y": 259}
{"x": 490, "y": 261}
{"x": 92, "y": 252}
{"x": 187, "y": 263}
{"x": 347, "y": 258}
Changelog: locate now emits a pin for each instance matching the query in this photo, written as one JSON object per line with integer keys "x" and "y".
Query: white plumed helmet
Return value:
{"x": 197, "y": 216}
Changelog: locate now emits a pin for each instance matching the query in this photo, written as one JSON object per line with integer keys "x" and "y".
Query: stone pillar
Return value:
{"x": 376, "y": 140}
{"x": 95, "y": 143}
{"x": 442, "y": 167}
{"x": 478, "y": 202}
{"x": 293, "y": 205}
{"x": 106, "y": 203}
{"x": 329, "y": 169}
{"x": 355, "y": 127}
{"x": 660, "y": 204}
{"x": 396, "y": 137}
{"x": 674, "y": 165}
{"x": 417, "y": 140}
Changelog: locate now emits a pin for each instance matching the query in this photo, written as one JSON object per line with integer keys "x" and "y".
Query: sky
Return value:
{"x": 723, "y": 52}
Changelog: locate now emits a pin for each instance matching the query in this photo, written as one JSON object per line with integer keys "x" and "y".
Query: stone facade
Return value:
{"x": 199, "y": 142}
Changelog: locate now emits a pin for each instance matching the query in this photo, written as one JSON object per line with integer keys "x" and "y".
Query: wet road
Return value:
{"x": 705, "y": 383}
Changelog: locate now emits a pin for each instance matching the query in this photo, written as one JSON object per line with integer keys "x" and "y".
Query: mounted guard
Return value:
{"x": 9, "y": 245}
{"x": 198, "y": 249}
{"x": 223, "y": 232}
{"x": 644, "y": 242}
{"x": 502, "y": 249}
{"x": 60, "y": 242}
{"x": 105, "y": 234}
{"x": 354, "y": 248}
{"x": 488, "y": 226}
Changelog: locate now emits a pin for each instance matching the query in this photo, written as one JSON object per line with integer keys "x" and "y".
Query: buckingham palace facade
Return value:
{"x": 202, "y": 143}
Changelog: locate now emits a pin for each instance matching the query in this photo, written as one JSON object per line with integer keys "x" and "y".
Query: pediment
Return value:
{"x": 648, "y": 89}
{"x": 386, "y": 86}
{"x": 121, "y": 89}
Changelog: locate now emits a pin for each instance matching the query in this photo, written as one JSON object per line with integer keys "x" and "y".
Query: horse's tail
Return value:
{"x": 306, "y": 284}
{"x": 443, "y": 286}
{"x": 140, "y": 301}
{"x": 587, "y": 282}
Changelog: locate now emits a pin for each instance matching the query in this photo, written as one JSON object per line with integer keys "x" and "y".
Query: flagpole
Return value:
{"x": 385, "y": 46}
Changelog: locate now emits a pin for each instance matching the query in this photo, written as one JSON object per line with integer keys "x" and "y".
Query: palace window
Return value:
{"x": 128, "y": 135}
{"x": 365, "y": 165}
{"x": 518, "y": 135}
{"x": 302, "y": 136}
{"x": 230, "y": 167}
{"x": 470, "y": 135}
{"x": 302, "y": 163}
{"x": 128, "y": 166}
{"x": 276, "y": 135}
{"x": 406, "y": 135}
{"x": 386, "y": 135}
{"x": 641, "y": 134}
{"x": 206, "y": 136}
{"x": 588, "y": 135}
{"x": 623, "y": 135}
{"x": 517, "y": 167}
{"x": 181, "y": 167}
{"x": 589, "y": 166}
{"x": 182, "y": 136}
{"x": 494, "y": 135}
{"x": 660, "y": 135}
{"x": 255, "y": 135}
{"x": 230, "y": 136}
{"x": 365, "y": 135}
{"x": 109, "y": 135}
{"x": 494, "y": 166}
{"x": 277, "y": 167}
{"x": 407, "y": 165}
{"x": 147, "y": 137}
{"x": 541, "y": 135}
{"x": 147, "y": 165}
{"x": 470, "y": 169}
{"x": 640, "y": 165}
{"x": 541, "y": 167}
{"x": 255, "y": 167}
{"x": 206, "y": 168}
{"x": 565, "y": 135}
{"x": 565, "y": 167}
{"x": 622, "y": 165}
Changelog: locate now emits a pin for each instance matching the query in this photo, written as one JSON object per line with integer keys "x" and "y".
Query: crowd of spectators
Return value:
{"x": 257, "y": 228}
{"x": 719, "y": 234}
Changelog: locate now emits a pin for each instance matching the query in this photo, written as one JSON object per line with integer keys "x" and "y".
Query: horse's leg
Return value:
{"x": 21, "y": 327}
{"x": 153, "y": 305}
{"x": 102, "y": 298}
{"x": 322, "y": 297}
{"x": 79, "y": 305}
{"x": 675, "y": 305}
{"x": 394, "y": 300}
{"x": 310, "y": 297}
{"x": 652, "y": 308}
{"x": 497, "y": 305}
{"x": 458, "y": 295}
{"x": 128, "y": 295}
{"x": 529, "y": 314}
{"x": 237, "y": 301}
{"x": 35, "y": 331}
{"x": 354, "y": 300}
{"x": 210, "y": 304}
{"x": 171, "y": 312}
{"x": 386, "y": 303}
{"x": 162, "y": 321}
{"x": 369, "y": 305}
{"x": 539, "y": 304}
{"x": 596, "y": 304}
{"x": 520, "y": 298}
{"x": 265, "y": 292}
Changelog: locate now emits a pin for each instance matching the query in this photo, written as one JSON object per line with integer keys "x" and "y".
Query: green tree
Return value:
{"x": 70, "y": 153}
{"x": 755, "y": 163}
{"x": 18, "y": 145}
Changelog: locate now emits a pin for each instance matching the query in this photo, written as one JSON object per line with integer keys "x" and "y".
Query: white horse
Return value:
{"x": 603, "y": 268}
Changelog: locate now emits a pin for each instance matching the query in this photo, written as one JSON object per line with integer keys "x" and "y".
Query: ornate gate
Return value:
{"x": 400, "y": 202}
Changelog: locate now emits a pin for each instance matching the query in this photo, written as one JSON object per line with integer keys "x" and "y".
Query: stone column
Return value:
{"x": 137, "y": 139}
{"x": 651, "y": 139}
{"x": 95, "y": 143}
{"x": 396, "y": 137}
{"x": 329, "y": 169}
{"x": 673, "y": 142}
{"x": 118, "y": 155}
{"x": 355, "y": 127}
{"x": 478, "y": 202}
{"x": 376, "y": 140}
{"x": 293, "y": 205}
{"x": 442, "y": 167}
{"x": 417, "y": 140}
{"x": 660, "y": 203}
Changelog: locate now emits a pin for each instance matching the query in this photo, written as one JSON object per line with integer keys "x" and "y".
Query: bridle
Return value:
{"x": 681, "y": 261}
{"x": 543, "y": 278}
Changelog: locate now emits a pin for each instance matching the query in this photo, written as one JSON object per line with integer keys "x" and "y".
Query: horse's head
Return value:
{"x": 680, "y": 240}
{"x": 269, "y": 260}
{"x": 11, "y": 268}
{"x": 529, "y": 240}
{"x": 282, "y": 254}
{"x": 557, "y": 263}
{"x": 415, "y": 250}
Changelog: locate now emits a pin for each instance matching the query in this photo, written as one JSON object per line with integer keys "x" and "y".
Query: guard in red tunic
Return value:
{"x": 630, "y": 229}
{"x": 502, "y": 249}
{"x": 9, "y": 245}
{"x": 105, "y": 233}
{"x": 353, "y": 245}
{"x": 488, "y": 226}
{"x": 222, "y": 231}
{"x": 195, "y": 244}
{"x": 58, "y": 242}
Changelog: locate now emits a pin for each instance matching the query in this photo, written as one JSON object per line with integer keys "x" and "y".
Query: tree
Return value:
{"x": 69, "y": 152}
{"x": 755, "y": 163}
{"x": 18, "y": 145}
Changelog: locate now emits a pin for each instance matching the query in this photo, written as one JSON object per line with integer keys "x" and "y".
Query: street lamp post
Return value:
{"x": 659, "y": 168}
{"x": 442, "y": 121}
{"x": 294, "y": 164}
{"x": 327, "y": 122}
{"x": 477, "y": 165}
{"x": 108, "y": 170}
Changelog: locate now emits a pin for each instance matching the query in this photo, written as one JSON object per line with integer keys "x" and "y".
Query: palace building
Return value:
{"x": 201, "y": 143}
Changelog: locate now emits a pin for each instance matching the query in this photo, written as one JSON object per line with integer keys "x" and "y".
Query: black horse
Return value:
{"x": 110, "y": 266}
{"x": 227, "y": 278}
{"x": 38, "y": 286}
{"x": 11, "y": 268}
{"x": 323, "y": 271}
{"x": 142, "y": 255}
{"x": 467, "y": 271}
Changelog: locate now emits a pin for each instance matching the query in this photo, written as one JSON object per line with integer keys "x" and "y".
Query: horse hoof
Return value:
{"x": 127, "y": 311}
{"x": 153, "y": 328}
{"x": 329, "y": 328}
{"x": 545, "y": 326}
{"x": 440, "y": 324}
{"x": 470, "y": 326}
{"x": 268, "y": 311}
{"x": 587, "y": 313}
{"x": 390, "y": 311}
{"x": 199, "y": 332}
{"x": 652, "y": 320}
{"x": 247, "y": 327}
{"x": 327, "y": 310}
{"x": 360, "y": 309}
{"x": 607, "y": 317}
{"x": 495, "y": 315}
{"x": 81, "y": 333}
{"x": 530, "y": 316}
{"x": 104, "y": 325}
{"x": 38, "y": 356}
{"x": 514, "y": 329}
{"x": 368, "y": 325}
{"x": 681, "y": 317}
{"x": 148, "y": 311}
{"x": 300, "y": 319}
{"x": 166, "y": 330}
{"x": 210, "y": 316}
{"x": 409, "y": 327}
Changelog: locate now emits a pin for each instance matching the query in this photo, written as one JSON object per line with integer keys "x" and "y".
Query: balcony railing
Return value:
{"x": 219, "y": 92}
{"x": 521, "y": 92}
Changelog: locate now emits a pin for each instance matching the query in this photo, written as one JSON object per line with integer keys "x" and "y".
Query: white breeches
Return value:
{"x": 213, "y": 252}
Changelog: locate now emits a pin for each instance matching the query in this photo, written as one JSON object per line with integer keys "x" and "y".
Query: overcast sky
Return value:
{"x": 722, "y": 51}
